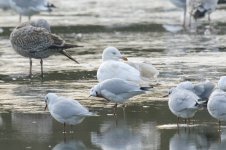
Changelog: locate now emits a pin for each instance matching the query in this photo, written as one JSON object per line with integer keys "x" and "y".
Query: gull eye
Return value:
{"x": 114, "y": 53}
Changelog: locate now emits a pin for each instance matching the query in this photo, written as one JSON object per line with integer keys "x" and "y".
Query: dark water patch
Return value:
{"x": 222, "y": 49}
{"x": 69, "y": 75}
{"x": 49, "y": 76}
{"x": 115, "y": 28}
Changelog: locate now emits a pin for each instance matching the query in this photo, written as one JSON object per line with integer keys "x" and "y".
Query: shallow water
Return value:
{"x": 153, "y": 128}
{"x": 141, "y": 30}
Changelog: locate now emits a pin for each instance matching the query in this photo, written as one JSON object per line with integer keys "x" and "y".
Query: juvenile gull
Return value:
{"x": 112, "y": 67}
{"x": 66, "y": 110}
{"x": 34, "y": 40}
{"x": 216, "y": 105}
{"x": 117, "y": 90}
{"x": 30, "y": 7}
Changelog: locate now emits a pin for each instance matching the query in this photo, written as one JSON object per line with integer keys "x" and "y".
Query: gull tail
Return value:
{"x": 146, "y": 88}
{"x": 66, "y": 46}
{"x": 63, "y": 46}
{"x": 68, "y": 56}
{"x": 201, "y": 103}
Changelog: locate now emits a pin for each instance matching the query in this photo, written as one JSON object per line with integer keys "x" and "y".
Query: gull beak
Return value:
{"x": 124, "y": 58}
{"x": 45, "y": 107}
{"x": 165, "y": 96}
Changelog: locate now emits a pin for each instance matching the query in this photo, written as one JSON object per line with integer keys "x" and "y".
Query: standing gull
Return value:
{"x": 34, "y": 40}
{"x": 30, "y": 7}
{"x": 181, "y": 4}
{"x": 117, "y": 90}
{"x": 4, "y": 4}
{"x": 112, "y": 67}
{"x": 66, "y": 110}
{"x": 199, "y": 8}
{"x": 183, "y": 103}
{"x": 216, "y": 105}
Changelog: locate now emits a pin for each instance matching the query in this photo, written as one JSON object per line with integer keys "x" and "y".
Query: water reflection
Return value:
{"x": 220, "y": 144}
{"x": 70, "y": 145}
{"x": 121, "y": 135}
{"x": 33, "y": 127}
{"x": 188, "y": 141}
{"x": 136, "y": 129}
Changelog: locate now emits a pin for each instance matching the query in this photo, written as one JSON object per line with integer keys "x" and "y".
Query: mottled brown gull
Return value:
{"x": 34, "y": 40}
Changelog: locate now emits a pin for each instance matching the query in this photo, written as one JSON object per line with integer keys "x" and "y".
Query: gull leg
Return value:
{"x": 41, "y": 62}
{"x": 20, "y": 18}
{"x": 71, "y": 130}
{"x": 209, "y": 19}
{"x": 115, "y": 108}
{"x": 219, "y": 126}
{"x": 30, "y": 72}
{"x": 184, "y": 21}
{"x": 178, "y": 119}
{"x": 29, "y": 18}
{"x": 64, "y": 128}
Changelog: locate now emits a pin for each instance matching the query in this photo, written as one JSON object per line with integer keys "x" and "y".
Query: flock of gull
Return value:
{"x": 118, "y": 79}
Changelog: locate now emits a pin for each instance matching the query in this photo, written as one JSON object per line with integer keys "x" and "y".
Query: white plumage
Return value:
{"x": 66, "y": 110}
{"x": 183, "y": 103}
{"x": 112, "y": 67}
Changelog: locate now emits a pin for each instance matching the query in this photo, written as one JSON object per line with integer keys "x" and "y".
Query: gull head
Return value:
{"x": 170, "y": 91}
{"x": 94, "y": 91}
{"x": 222, "y": 83}
{"x": 42, "y": 23}
{"x": 112, "y": 53}
{"x": 187, "y": 85}
{"x": 50, "y": 97}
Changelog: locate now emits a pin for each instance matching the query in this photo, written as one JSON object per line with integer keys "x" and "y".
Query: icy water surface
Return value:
{"x": 140, "y": 30}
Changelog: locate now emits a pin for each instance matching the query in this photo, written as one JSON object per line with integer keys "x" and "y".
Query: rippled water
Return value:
{"x": 138, "y": 29}
{"x": 153, "y": 128}
{"x": 40, "y": 131}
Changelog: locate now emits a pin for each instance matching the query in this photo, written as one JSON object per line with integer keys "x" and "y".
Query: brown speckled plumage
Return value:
{"x": 31, "y": 41}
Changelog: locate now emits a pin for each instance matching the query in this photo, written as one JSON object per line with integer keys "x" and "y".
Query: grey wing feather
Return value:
{"x": 27, "y": 3}
{"x": 118, "y": 86}
{"x": 70, "y": 109}
{"x": 203, "y": 90}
